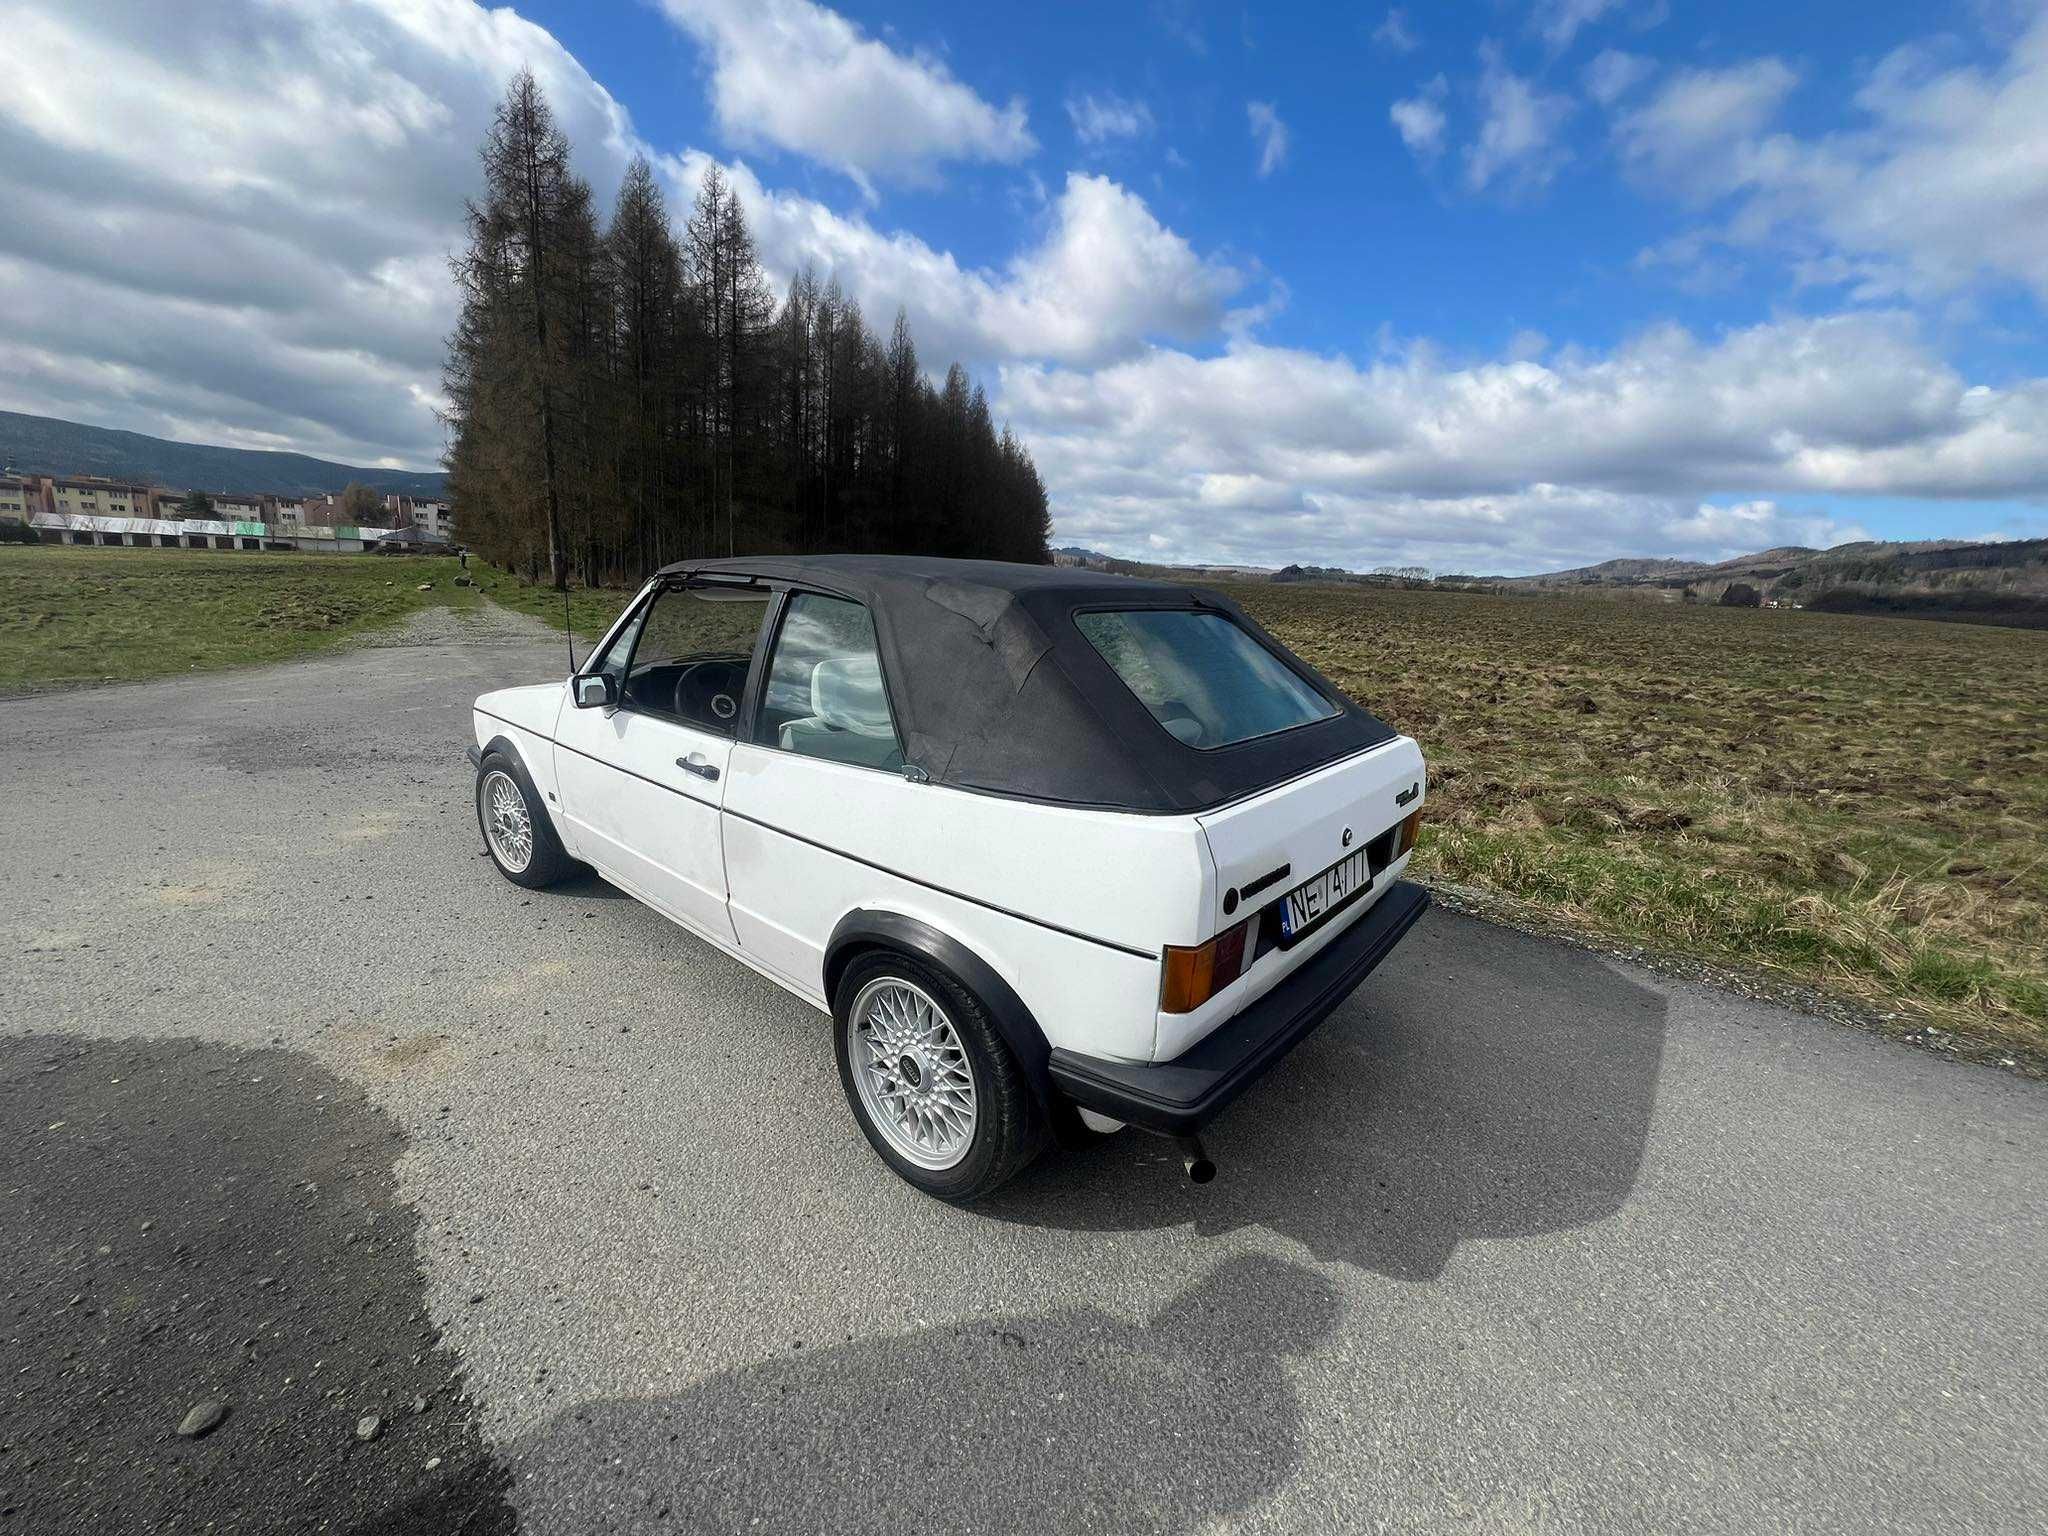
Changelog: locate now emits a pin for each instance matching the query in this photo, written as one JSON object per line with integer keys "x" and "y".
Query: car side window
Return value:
{"x": 690, "y": 656}
{"x": 824, "y": 695}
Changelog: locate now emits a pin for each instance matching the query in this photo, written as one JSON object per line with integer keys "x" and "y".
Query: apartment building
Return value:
{"x": 91, "y": 496}
{"x": 19, "y": 497}
{"x": 429, "y": 516}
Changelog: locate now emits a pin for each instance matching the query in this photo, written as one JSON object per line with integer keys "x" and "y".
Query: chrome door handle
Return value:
{"x": 702, "y": 770}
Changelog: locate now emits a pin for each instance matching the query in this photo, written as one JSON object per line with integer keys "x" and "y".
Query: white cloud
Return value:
{"x": 1097, "y": 119}
{"x": 1419, "y": 119}
{"x": 1557, "y": 22}
{"x": 1268, "y": 454}
{"x": 1613, "y": 74}
{"x": 1517, "y": 144}
{"x": 1106, "y": 278}
{"x": 250, "y": 246}
{"x": 801, "y": 77}
{"x": 1942, "y": 187}
{"x": 1269, "y": 133}
{"x": 1689, "y": 132}
{"x": 1395, "y": 33}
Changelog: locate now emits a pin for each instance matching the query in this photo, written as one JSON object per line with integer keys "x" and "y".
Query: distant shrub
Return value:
{"x": 14, "y": 531}
{"x": 1741, "y": 594}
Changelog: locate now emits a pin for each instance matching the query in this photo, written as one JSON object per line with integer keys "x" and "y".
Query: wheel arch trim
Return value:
{"x": 864, "y": 929}
{"x": 510, "y": 748}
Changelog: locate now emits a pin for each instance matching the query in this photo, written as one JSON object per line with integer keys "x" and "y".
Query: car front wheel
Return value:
{"x": 935, "y": 1090}
{"x": 520, "y": 838}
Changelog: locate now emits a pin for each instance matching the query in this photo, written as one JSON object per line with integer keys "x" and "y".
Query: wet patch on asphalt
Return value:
{"x": 182, "y": 1224}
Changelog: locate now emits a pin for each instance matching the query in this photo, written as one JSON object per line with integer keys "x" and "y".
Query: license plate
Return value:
{"x": 1315, "y": 899}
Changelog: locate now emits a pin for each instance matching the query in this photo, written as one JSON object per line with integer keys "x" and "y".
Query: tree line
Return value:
{"x": 624, "y": 396}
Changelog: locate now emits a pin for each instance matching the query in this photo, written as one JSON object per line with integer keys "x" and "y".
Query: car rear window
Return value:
{"x": 1208, "y": 682}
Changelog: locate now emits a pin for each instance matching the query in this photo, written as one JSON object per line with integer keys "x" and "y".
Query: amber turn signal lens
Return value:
{"x": 1190, "y": 977}
{"x": 1411, "y": 829}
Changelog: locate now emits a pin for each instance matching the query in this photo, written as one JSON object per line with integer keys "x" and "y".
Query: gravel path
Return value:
{"x": 1524, "y": 1239}
{"x": 486, "y": 624}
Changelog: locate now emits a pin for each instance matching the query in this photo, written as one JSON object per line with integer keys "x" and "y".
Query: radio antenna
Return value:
{"x": 568, "y": 628}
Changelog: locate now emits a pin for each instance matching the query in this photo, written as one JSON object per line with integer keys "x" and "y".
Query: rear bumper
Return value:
{"x": 1181, "y": 1095}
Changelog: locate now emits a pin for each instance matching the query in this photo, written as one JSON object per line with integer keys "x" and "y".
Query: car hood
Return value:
{"x": 531, "y": 707}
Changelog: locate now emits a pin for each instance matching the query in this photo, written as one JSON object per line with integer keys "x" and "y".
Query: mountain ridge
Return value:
{"x": 49, "y": 445}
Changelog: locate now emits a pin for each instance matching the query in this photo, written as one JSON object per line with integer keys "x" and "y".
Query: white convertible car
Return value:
{"x": 1059, "y": 852}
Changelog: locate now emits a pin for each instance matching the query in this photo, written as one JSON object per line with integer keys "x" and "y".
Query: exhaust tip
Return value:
{"x": 1194, "y": 1159}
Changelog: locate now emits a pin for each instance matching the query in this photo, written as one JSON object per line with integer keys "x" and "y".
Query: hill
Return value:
{"x": 1621, "y": 572}
{"x": 1984, "y": 582}
{"x": 43, "y": 445}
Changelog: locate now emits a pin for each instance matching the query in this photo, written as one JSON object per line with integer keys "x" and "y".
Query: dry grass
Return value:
{"x": 1852, "y": 803}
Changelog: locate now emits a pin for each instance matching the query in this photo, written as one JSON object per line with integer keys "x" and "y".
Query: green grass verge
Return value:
{"x": 71, "y": 616}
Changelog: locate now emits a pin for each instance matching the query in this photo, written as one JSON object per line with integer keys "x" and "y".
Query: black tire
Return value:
{"x": 547, "y": 862}
{"x": 1009, "y": 1130}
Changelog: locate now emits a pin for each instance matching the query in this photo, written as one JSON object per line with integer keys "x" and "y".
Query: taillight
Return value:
{"x": 1411, "y": 828}
{"x": 1190, "y": 977}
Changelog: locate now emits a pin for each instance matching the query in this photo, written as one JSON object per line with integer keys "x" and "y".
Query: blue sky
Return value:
{"x": 1495, "y": 286}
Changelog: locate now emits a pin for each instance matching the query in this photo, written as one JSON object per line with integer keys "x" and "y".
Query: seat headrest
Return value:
{"x": 846, "y": 693}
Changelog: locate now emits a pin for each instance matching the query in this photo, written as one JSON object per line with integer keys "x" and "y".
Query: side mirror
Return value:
{"x": 594, "y": 690}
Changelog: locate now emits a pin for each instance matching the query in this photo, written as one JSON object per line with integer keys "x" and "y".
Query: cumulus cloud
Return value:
{"x": 1419, "y": 119}
{"x": 1106, "y": 278}
{"x": 1268, "y": 453}
{"x": 251, "y": 246}
{"x": 1517, "y": 146}
{"x": 1098, "y": 119}
{"x": 801, "y": 77}
{"x": 1268, "y": 133}
{"x": 1395, "y": 33}
{"x": 1940, "y": 187}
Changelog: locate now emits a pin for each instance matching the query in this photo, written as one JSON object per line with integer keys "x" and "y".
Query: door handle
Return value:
{"x": 691, "y": 765}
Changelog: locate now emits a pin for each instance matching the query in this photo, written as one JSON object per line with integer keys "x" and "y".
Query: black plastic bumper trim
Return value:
{"x": 475, "y": 754}
{"x": 1182, "y": 1095}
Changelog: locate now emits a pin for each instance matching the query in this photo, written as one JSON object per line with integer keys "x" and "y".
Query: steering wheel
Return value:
{"x": 704, "y": 692}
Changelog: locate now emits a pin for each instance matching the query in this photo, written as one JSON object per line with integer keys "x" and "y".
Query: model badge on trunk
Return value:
{"x": 1404, "y": 796}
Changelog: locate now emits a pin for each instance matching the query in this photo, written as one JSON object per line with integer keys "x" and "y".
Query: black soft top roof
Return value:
{"x": 995, "y": 689}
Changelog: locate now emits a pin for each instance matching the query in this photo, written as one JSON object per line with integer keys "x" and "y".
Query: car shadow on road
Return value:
{"x": 1484, "y": 1084}
{"x": 1074, "y": 1420}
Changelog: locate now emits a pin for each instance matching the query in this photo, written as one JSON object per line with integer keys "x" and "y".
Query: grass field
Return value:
{"x": 73, "y": 615}
{"x": 1855, "y": 803}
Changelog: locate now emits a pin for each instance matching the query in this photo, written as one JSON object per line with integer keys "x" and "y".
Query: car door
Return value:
{"x": 824, "y": 769}
{"x": 642, "y": 778}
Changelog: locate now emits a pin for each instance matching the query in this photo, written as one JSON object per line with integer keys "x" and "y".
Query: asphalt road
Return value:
{"x": 1523, "y": 1240}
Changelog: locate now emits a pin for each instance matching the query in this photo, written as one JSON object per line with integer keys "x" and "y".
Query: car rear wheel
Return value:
{"x": 517, "y": 833}
{"x": 934, "y": 1088}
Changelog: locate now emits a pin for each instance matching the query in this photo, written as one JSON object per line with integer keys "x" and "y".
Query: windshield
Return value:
{"x": 1204, "y": 679}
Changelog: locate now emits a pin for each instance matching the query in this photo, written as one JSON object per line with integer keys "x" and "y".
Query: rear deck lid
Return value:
{"x": 1278, "y": 841}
